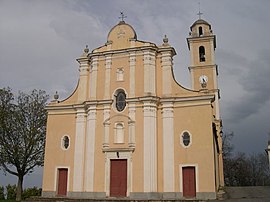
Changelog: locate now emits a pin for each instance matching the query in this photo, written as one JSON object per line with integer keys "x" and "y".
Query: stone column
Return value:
{"x": 106, "y": 123}
{"x": 132, "y": 63}
{"x": 93, "y": 80}
{"x": 79, "y": 150}
{"x": 168, "y": 146}
{"x": 84, "y": 73}
{"x": 107, "y": 77}
{"x": 166, "y": 65}
{"x": 131, "y": 124}
{"x": 149, "y": 73}
{"x": 90, "y": 149}
{"x": 150, "y": 147}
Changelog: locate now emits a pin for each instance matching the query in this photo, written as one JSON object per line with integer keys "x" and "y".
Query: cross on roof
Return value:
{"x": 199, "y": 14}
{"x": 122, "y": 17}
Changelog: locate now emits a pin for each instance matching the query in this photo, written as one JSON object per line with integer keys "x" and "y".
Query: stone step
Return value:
{"x": 42, "y": 199}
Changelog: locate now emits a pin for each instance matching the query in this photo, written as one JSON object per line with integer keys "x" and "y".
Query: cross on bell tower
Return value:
{"x": 122, "y": 16}
{"x": 200, "y": 13}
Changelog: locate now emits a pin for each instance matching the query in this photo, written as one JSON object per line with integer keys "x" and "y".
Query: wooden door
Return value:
{"x": 189, "y": 182}
{"x": 62, "y": 181}
{"x": 118, "y": 178}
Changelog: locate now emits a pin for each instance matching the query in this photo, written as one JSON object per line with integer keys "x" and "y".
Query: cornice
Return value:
{"x": 127, "y": 50}
{"x": 188, "y": 99}
{"x": 202, "y": 67}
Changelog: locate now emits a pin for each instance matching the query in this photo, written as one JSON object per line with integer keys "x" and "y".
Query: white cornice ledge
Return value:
{"x": 210, "y": 98}
{"x": 118, "y": 149}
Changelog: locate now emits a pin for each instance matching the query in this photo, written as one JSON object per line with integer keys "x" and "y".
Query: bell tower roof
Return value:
{"x": 200, "y": 22}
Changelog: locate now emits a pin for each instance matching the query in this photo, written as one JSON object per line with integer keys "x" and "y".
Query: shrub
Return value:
{"x": 11, "y": 192}
{"x": 27, "y": 193}
{"x": 2, "y": 193}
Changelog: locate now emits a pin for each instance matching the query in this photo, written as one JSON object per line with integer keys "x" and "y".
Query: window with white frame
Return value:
{"x": 185, "y": 139}
{"x": 65, "y": 142}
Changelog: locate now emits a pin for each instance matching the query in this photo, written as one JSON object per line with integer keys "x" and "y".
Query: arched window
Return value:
{"x": 202, "y": 53}
{"x": 200, "y": 31}
{"x": 65, "y": 142}
{"x": 120, "y": 101}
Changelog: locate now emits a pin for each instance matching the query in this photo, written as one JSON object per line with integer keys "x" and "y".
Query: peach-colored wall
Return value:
{"x": 55, "y": 156}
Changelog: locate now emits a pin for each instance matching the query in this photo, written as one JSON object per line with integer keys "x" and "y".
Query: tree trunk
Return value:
{"x": 19, "y": 188}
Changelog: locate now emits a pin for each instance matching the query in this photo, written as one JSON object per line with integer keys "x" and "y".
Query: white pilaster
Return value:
{"x": 93, "y": 80}
{"x": 150, "y": 148}
{"x": 132, "y": 63}
{"x": 106, "y": 115}
{"x": 107, "y": 77}
{"x": 166, "y": 73}
{"x": 84, "y": 72}
{"x": 168, "y": 147}
{"x": 90, "y": 149}
{"x": 149, "y": 73}
{"x": 79, "y": 151}
{"x": 212, "y": 45}
{"x": 191, "y": 53}
{"x": 131, "y": 124}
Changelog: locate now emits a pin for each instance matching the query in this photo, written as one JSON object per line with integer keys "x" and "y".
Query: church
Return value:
{"x": 130, "y": 130}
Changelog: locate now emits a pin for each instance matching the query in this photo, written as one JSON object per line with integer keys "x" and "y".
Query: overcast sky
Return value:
{"x": 40, "y": 41}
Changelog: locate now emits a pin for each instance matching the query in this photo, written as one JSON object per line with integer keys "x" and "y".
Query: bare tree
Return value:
{"x": 227, "y": 145}
{"x": 22, "y": 133}
{"x": 241, "y": 169}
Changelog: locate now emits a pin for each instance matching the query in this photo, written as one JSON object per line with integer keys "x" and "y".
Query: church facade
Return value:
{"x": 130, "y": 130}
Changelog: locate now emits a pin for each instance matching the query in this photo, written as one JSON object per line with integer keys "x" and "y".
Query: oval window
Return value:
{"x": 65, "y": 142}
{"x": 120, "y": 101}
{"x": 186, "y": 138}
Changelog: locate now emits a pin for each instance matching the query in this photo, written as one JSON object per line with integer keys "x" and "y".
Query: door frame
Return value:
{"x": 181, "y": 166}
{"x": 56, "y": 178}
{"x": 118, "y": 154}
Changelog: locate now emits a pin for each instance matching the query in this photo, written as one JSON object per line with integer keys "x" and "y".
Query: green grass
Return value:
{"x": 7, "y": 200}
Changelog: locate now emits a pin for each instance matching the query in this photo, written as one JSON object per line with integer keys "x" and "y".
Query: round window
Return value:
{"x": 120, "y": 101}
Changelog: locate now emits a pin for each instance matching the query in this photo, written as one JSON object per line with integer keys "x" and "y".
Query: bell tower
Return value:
{"x": 202, "y": 44}
{"x": 203, "y": 69}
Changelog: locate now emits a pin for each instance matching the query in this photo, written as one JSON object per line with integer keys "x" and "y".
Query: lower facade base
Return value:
{"x": 135, "y": 195}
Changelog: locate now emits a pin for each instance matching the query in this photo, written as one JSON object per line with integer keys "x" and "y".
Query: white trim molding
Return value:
{"x": 181, "y": 139}
{"x": 118, "y": 154}
{"x": 181, "y": 166}
{"x": 62, "y": 142}
{"x": 56, "y": 177}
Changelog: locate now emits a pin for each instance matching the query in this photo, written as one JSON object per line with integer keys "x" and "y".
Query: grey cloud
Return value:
{"x": 256, "y": 85}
